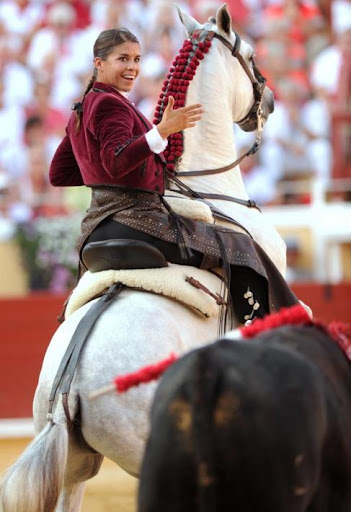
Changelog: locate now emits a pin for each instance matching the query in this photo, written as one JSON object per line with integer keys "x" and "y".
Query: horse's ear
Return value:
{"x": 188, "y": 21}
{"x": 224, "y": 20}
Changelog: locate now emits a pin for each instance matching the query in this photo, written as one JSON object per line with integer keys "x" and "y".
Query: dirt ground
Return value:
{"x": 111, "y": 490}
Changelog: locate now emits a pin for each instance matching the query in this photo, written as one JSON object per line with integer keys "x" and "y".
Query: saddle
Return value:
{"x": 140, "y": 265}
{"x": 121, "y": 254}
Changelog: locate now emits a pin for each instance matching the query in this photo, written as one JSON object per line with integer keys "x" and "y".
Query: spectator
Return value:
{"x": 327, "y": 67}
{"x": 82, "y": 18}
{"x": 11, "y": 124}
{"x": 296, "y": 139}
{"x": 16, "y": 78}
{"x": 53, "y": 119}
{"x": 50, "y": 55}
{"x": 259, "y": 181}
{"x": 21, "y": 19}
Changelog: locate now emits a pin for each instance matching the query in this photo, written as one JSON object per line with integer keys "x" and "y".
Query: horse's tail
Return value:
{"x": 34, "y": 482}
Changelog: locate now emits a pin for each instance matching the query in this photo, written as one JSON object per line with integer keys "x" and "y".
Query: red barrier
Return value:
{"x": 28, "y": 323}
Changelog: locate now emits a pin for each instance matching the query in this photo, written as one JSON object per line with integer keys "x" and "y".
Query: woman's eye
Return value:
{"x": 137, "y": 59}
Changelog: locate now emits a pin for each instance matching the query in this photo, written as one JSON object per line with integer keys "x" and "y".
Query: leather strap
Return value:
{"x": 205, "y": 172}
{"x": 245, "y": 202}
{"x": 65, "y": 372}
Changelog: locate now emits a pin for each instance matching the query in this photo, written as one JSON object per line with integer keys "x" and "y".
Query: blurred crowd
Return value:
{"x": 46, "y": 62}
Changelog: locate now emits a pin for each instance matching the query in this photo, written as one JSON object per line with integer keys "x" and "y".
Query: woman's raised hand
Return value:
{"x": 174, "y": 121}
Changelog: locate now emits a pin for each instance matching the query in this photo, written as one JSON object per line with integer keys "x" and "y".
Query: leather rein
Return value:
{"x": 258, "y": 84}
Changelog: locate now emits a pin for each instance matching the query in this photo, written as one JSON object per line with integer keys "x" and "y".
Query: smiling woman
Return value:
{"x": 112, "y": 148}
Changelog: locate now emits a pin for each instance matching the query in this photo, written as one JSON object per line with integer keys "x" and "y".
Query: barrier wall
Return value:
{"x": 28, "y": 323}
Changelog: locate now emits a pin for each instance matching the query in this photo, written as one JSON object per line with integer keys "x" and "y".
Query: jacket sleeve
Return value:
{"x": 64, "y": 170}
{"x": 123, "y": 147}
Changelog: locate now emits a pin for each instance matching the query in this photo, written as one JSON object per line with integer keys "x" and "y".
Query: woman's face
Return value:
{"x": 121, "y": 67}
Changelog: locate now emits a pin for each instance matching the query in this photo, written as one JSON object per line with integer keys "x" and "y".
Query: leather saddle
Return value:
{"x": 121, "y": 254}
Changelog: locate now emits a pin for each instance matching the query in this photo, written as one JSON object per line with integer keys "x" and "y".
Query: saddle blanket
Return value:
{"x": 169, "y": 281}
{"x": 190, "y": 208}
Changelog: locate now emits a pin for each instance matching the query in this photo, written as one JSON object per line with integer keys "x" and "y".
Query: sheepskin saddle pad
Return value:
{"x": 190, "y": 208}
{"x": 195, "y": 288}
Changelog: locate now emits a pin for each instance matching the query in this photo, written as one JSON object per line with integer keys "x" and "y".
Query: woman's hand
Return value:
{"x": 174, "y": 121}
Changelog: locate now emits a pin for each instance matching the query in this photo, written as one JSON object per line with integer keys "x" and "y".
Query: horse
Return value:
{"x": 139, "y": 327}
{"x": 254, "y": 423}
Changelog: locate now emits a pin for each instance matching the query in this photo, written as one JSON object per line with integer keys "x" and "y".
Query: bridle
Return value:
{"x": 255, "y": 114}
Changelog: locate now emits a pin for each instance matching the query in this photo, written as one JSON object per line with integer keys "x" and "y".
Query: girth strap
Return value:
{"x": 65, "y": 372}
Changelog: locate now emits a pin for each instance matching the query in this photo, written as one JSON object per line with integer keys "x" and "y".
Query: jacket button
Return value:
{"x": 157, "y": 173}
{"x": 157, "y": 188}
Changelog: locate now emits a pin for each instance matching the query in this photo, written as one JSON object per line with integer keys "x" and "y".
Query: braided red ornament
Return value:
{"x": 180, "y": 74}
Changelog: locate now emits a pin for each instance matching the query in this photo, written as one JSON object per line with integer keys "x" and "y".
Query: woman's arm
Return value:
{"x": 64, "y": 170}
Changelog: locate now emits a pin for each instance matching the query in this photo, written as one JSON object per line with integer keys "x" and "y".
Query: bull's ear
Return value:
{"x": 188, "y": 21}
{"x": 224, "y": 20}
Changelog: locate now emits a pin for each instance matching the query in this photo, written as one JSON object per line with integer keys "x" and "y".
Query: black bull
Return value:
{"x": 252, "y": 426}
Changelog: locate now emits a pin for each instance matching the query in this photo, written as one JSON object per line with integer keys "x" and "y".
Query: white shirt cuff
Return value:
{"x": 156, "y": 143}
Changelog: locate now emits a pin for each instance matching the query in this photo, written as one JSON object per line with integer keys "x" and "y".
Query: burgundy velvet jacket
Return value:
{"x": 110, "y": 148}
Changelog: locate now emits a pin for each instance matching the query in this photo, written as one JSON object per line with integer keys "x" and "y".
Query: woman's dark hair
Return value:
{"x": 103, "y": 46}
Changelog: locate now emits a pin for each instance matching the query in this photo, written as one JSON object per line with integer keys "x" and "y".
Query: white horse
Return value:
{"x": 139, "y": 328}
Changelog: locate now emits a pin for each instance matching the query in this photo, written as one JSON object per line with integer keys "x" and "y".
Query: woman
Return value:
{"x": 112, "y": 148}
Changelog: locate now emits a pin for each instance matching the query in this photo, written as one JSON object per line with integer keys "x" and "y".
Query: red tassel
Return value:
{"x": 294, "y": 315}
{"x": 341, "y": 333}
{"x": 143, "y": 375}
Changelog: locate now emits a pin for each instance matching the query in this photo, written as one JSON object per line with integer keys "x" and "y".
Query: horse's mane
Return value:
{"x": 176, "y": 84}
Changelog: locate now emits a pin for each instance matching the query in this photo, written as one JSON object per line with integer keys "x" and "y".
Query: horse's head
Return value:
{"x": 232, "y": 59}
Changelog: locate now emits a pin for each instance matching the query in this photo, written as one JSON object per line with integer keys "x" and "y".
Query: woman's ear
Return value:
{"x": 97, "y": 63}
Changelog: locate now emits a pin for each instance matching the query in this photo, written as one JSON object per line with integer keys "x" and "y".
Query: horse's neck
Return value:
{"x": 211, "y": 143}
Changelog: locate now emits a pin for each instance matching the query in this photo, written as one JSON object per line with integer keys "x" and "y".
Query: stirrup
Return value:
{"x": 121, "y": 254}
